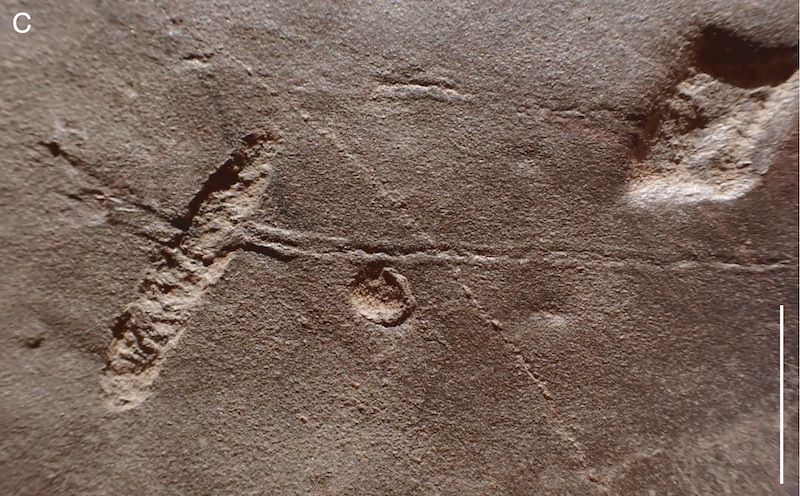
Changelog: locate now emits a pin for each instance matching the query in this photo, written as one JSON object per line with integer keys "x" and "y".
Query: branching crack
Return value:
{"x": 218, "y": 222}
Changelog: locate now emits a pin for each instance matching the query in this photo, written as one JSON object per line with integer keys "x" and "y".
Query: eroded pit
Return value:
{"x": 381, "y": 295}
{"x": 710, "y": 138}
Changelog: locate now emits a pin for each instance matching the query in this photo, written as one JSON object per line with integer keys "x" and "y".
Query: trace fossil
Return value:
{"x": 220, "y": 221}
{"x": 154, "y": 322}
{"x": 701, "y": 144}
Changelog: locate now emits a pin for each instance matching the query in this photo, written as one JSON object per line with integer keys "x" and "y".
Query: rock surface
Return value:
{"x": 398, "y": 247}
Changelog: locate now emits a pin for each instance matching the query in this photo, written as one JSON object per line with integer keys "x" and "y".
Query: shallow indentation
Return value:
{"x": 382, "y": 295}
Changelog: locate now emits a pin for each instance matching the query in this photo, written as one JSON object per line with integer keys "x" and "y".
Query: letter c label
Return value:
{"x": 16, "y": 23}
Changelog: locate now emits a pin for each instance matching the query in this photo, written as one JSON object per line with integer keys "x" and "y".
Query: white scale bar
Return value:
{"x": 781, "y": 396}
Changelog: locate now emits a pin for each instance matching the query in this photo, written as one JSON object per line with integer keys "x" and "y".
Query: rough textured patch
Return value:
{"x": 702, "y": 143}
{"x": 382, "y": 295}
{"x": 193, "y": 262}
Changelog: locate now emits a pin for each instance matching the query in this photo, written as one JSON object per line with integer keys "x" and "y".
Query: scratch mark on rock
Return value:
{"x": 413, "y": 84}
{"x": 525, "y": 366}
{"x": 289, "y": 244}
{"x": 419, "y": 92}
